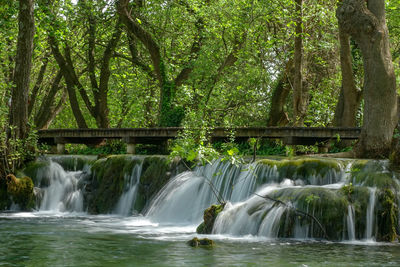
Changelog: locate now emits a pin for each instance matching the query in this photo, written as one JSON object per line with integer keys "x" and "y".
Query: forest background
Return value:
{"x": 197, "y": 64}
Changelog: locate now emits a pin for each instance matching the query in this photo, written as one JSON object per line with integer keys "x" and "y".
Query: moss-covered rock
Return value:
{"x": 328, "y": 206}
{"x": 201, "y": 242}
{"x": 106, "y": 182}
{"x": 210, "y": 214}
{"x": 18, "y": 191}
{"x": 108, "y": 177}
{"x": 74, "y": 162}
{"x": 388, "y": 214}
{"x": 309, "y": 170}
{"x": 156, "y": 172}
{"x": 374, "y": 174}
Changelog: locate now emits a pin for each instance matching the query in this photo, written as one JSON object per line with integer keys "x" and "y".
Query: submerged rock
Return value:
{"x": 201, "y": 242}
{"x": 209, "y": 217}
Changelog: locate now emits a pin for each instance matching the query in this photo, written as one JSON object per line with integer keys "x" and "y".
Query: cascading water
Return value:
{"x": 351, "y": 231}
{"x": 299, "y": 198}
{"x": 128, "y": 197}
{"x": 185, "y": 197}
{"x": 370, "y": 219}
{"x": 62, "y": 193}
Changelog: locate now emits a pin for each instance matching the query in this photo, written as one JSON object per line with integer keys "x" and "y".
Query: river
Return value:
{"x": 68, "y": 239}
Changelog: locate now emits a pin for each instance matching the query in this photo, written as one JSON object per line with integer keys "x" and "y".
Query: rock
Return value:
{"x": 202, "y": 242}
{"x": 18, "y": 191}
{"x": 209, "y": 217}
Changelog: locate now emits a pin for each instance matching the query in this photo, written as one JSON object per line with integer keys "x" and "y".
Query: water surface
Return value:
{"x": 78, "y": 239}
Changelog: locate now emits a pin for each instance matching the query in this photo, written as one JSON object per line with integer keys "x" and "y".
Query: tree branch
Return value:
{"x": 297, "y": 211}
{"x": 134, "y": 27}
{"x": 196, "y": 46}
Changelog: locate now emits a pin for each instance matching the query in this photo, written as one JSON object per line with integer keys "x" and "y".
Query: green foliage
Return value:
{"x": 111, "y": 147}
{"x": 388, "y": 216}
{"x": 348, "y": 190}
{"x": 311, "y": 198}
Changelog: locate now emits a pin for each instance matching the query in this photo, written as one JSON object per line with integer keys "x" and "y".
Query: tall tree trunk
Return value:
{"x": 101, "y": 101}
{"x": 38, "y": 84}
{"x": 350, "y": 96}
{"x": 48, "y": 109}
{"x": 367, "y": 25}
{"x": 70, "y": 80}
{"x": 23, "y": 64}
{"x": 299, "y": 97}
{"x": 277, "y": 114}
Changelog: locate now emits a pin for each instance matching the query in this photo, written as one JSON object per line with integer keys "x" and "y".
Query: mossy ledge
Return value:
{"x": 105, "y": 183}
{"x": 309, "y": 170}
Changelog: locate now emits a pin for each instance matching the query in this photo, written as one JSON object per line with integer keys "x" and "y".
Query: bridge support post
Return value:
{"x": 60, "y": 148}
{"x": 60, "y": 144}
{"x": 130, "y": 145}
{"x": 130, "y": 148}
{"x": 164, "y": 147}
{"x": 323, "y": 149}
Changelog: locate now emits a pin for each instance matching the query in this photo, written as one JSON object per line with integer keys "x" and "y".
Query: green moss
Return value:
{"x": 201, "y": 242}
{"x": 73, "y": 162}
{"x": 328, "y": 206}
{"x": 374, "y": 174}
{"x": 156, "y": 171}
{"x": 32, "y": 169}
{"x": 304, "y": 168}
{"x": 210, "y": 214}
{"x": 18, "y": 191}
{"x": 388, "y": 214}
{"x": 108, "y": 179}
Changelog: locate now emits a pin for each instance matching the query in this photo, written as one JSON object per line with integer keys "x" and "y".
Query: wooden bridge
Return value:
{"x": 132, "y": 136}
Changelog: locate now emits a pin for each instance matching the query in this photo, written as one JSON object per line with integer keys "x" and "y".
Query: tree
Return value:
{"x": 350, "y": 95}
{"x": 23, "y": 64}
{"x": 169, "y": 115}
{"x": 366, "y": 23}
{"x": 299, "y": 94}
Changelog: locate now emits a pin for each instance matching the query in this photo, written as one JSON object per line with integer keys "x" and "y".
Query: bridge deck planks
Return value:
{"x": 297, "y": 135}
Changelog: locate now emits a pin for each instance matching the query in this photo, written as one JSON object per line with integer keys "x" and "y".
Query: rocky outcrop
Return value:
{"x": 17, "y": 191}
{"x": 209, "y": 217}
{"x": 201, "y": 242}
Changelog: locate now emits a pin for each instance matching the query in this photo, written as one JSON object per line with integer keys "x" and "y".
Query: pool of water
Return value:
{"x": 65, "y": 239}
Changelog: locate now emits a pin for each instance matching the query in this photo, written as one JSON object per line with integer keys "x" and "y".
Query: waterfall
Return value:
{"x": 182, "y": 200}
{"x": 186, "y": 196}
{"x": 128, "y": 197}
{"x": 271, "y": 198}
{"x": 370, "y": 218}
{"x": 62, "y": 193}
{"x": 253, "y": 216}
{"x": 351, "y": 231}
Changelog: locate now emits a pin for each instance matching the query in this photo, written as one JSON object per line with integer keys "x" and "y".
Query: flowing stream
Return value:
{"x": 248, "y": 231}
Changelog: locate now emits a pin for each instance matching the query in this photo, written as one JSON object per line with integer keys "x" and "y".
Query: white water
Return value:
{"x": 351, "y": 231}
{"x": 185, "y": 197}
{"x": 370, "y": 214}
{"x": 128, "y": 197}
{"x": 182, "y": 201}
{"x": 62, "y": 194}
